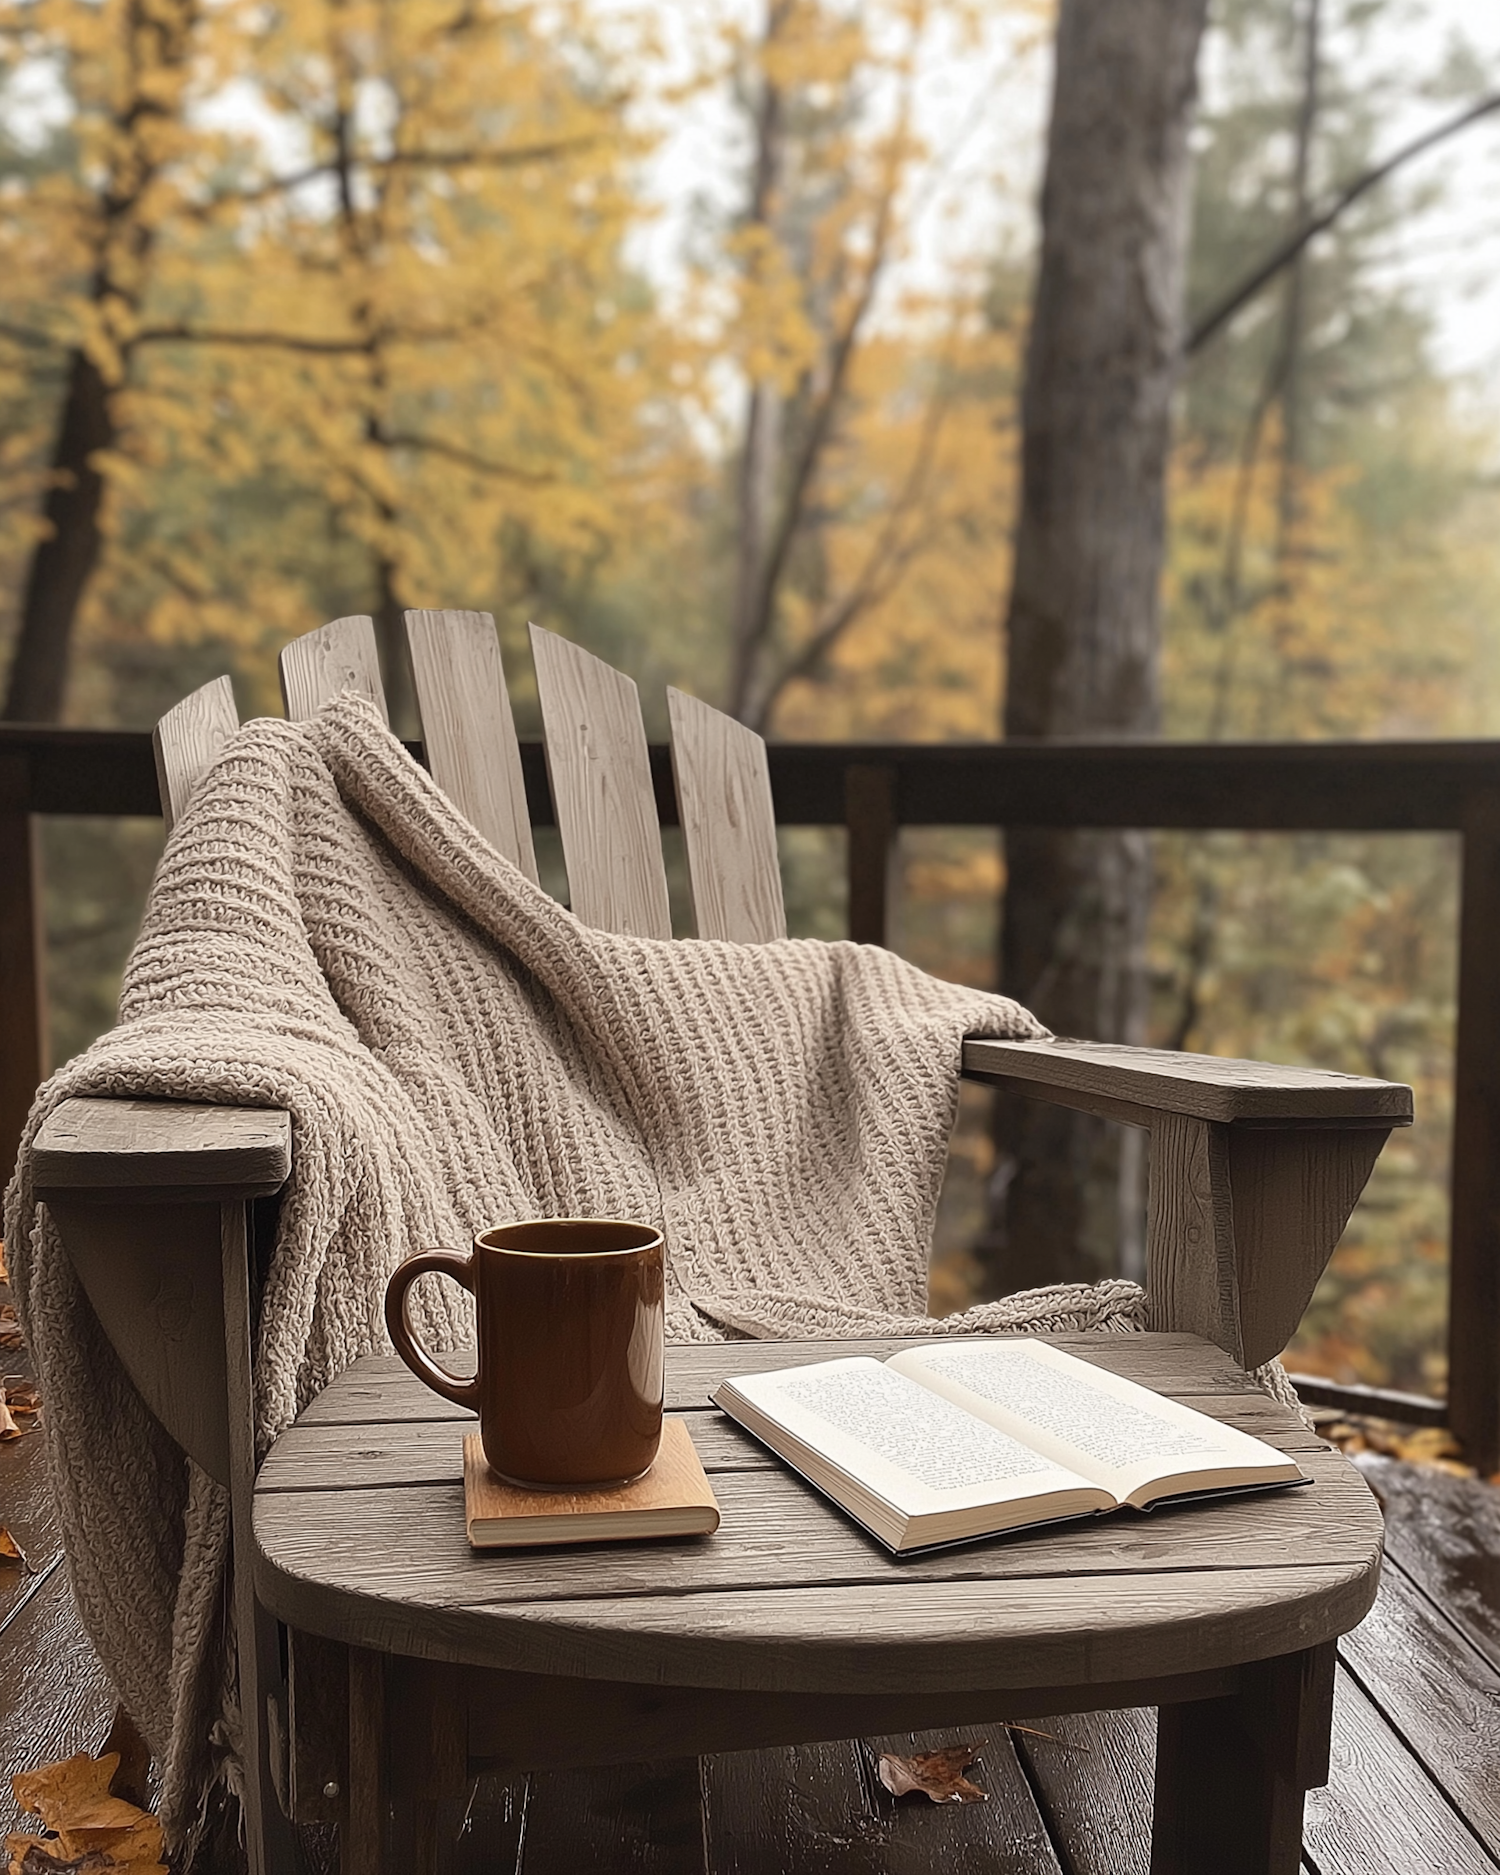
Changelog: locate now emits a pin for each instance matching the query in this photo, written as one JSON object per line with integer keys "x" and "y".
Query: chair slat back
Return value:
{"x": 336, "y": 657}
{"x": 600, "y": 771}
{"x": 188, "y": 739}
{"x": 728, "y": 823}
{"x": 467, "y": 726}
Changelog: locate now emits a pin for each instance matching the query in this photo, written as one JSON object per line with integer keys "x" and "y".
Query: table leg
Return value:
{"x": 1231, "y": 1773}
{"x": 364, "y": 1826}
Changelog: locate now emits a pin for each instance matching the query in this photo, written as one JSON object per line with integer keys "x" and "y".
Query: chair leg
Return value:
{"x": 1231, "y": 1773}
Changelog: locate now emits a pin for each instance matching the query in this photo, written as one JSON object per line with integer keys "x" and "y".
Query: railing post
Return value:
{"x": 870, "y": 815}
{"x": 1474, "y": 1256}
{"x": 23, "y": 1007}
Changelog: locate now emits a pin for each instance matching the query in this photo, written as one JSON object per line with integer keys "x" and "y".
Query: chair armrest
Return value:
{"x": 161, "y": 1149}
{"x": 1254, "y": 1171}
{"x": 149, "y": 1200}
{"x": 1106, "y": 1078}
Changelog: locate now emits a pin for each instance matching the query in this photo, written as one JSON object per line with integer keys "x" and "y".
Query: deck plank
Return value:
{"x": 1094, "y": 1774}
{"x": 1381, "y": 1813}
{"x": 1445, "y": 1533}
{"x": 821, "y": 1810}
{"x": 647, "y": 1818}
{"x": 54, "y": 1697}
{"x": 1437, "y": 1691}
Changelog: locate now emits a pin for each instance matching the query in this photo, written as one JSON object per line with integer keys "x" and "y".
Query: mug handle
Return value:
{"x": 458, "y": 1264}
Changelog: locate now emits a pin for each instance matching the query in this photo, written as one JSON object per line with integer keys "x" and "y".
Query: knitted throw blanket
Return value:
{"x": 327, "y": 934}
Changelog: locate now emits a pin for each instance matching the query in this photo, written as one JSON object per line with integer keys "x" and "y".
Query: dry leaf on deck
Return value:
{"x": 4, "y": 1272}
{"x": 10, "y": 1327}
{"x": 937, "y": 1774}
{"x": 95, "y": 1830}
{"x": 8, "y": 1427}
{"x": 10, "y": 1550}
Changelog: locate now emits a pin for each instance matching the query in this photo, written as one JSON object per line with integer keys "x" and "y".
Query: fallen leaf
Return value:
{"x": 11, "y": 1551}
{"x": 23, "y": 1396}
{"x": 10, "y": 1327}
{"x": 95, "y": 1829}
{"x": 8, "y": 1427}
{"x": 4, "y": 1272}
{"x": 938, "y": 1775}
{"x": 1432, "y": 1446}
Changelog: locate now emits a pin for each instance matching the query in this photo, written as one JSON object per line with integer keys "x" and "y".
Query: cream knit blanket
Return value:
{"x": 326, "y": 934}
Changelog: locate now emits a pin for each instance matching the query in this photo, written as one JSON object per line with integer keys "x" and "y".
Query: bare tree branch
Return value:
{"x": 465, "y": 458}
{"x": 26, "y": 335}
{"x": 1240, "y": 295}
{"x": 884, "y": 564}
{"x": 512, "y": 158}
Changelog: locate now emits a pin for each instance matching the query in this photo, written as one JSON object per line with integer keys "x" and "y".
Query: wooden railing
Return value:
{"x": 874, "y": 790}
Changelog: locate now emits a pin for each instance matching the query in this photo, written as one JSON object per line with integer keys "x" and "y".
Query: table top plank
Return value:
{"x": 382, "y": 1389}
{"x": 906, "y": 1636}
{"x": 778, "y": 1532}
{"x": 324, "y": 1457}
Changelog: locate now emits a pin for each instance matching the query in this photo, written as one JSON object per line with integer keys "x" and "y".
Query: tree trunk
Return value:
{"x": 64, "y": 559}
{"x": 1083, "y": 626}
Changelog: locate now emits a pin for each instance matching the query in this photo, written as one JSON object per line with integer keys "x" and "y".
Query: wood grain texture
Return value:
{"x": 1218, "y": 1804}
{"x": 1450, "y": 1718}
{"x": 187, "y": 740}
{"x": 790, "y": 1595}
{"x": 55, "y": 1698}
{"x": 318, "y": 1727}
{"x": 320, "y": 664}
{"x": 646, "y": 1818}
{"x": 1094, "y": 1775}
{"x": 467, "y": 728}
{"x": 873, "y": 829}
{"x": 1381, "y": 1814}
{"x": 821, "y": 1810}
{"x": 728, "y": 823}
{"x": 163, "y": 1145}
{"x": 779, "y": 1534}
{"x": 1291, "y": 1193}
{"x": 520, "y": 1721}
{"x": 1203, "y": 1087}
{"x": 1192, "y": 1278}
{"x": 600, "y": 772}
{"x": 1444, "y": 1532}
{"x": 270, "y": 1847}
{"x": 153, "y": 1278}
{"x": 381, "y": 1387}
{"x": 320, "y": 1456}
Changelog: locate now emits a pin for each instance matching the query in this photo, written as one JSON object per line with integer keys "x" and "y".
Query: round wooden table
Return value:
{"x": 791, "y": 1624}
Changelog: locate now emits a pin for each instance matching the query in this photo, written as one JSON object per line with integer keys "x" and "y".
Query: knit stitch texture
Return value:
{"x": 328, "y": 935}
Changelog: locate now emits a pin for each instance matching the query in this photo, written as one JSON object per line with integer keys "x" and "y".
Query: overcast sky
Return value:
{"x": 987, "y": 112}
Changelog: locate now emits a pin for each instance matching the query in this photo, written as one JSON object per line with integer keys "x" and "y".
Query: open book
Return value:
{"x": 963, "y": 1439}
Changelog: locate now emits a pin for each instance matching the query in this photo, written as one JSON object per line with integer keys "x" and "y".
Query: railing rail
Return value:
{"x": 874, "y": 790}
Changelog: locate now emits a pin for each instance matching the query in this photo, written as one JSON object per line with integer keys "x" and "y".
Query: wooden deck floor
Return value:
{"x": 1415, "y": 1788}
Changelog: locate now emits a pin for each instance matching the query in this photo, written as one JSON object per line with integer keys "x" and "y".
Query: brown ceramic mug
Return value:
{"x": 571, "y": 1334}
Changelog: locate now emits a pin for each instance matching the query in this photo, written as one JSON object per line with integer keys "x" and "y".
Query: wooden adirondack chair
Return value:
{"x": 1253, "y": 1169}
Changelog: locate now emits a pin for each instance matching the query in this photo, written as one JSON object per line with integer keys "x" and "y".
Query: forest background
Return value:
{"x": 357, "y": 305}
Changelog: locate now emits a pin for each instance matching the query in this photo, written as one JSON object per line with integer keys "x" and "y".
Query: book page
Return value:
{"x": 1107, "y": 1428}
{"x": 908, "y": 1444}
